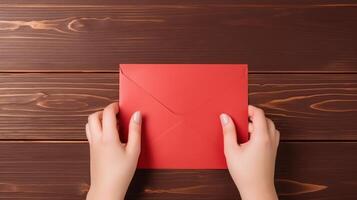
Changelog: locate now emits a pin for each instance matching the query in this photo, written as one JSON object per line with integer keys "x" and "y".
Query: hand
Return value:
{"x": 252, "y": 164}
{"x": 112, "y": 163}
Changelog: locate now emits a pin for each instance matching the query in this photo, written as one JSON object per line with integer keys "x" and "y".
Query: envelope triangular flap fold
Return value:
{"x": 183, "y": 87}
{"x": 133, "y": 98}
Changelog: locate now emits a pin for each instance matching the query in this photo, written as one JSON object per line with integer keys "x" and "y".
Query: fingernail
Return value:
{"x": 224, "y": 119}
{"x": 137, "y": 117}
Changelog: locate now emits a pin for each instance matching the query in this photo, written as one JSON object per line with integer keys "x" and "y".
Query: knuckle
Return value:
{"x": 260, "y": 112}
{"x": 95, "y": 140}
{"x": 106, "y": 140}
{"x": 272, "y": 123}
{"x": 113, "y": 104}
{"x": 111, "y": 107}
{"x": 265, "y": 141}
{"x": 90, "y": 117}
{"x": 269, "y": 120}
{"x": 250, "y": 127}
{"x": 106, "y": 110}
{"x": 93, "y": 116}
{"x": 277, "y": 135}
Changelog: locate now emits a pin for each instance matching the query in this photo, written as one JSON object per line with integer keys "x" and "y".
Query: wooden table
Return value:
{"x": 58, "y": 63}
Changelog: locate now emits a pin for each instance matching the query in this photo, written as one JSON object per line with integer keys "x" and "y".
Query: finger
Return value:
{"x": 134, "y": 137}
{"x": 88, "y": 134}
{"x": 259, "y": 122}
{"x": 250, "y": 129}
{"x": 271, "y": 126}
{"x": 110, "y": 129}
{"x": 277, "y": 137}
{"x": 95, "y": 125}
{"x": 229, "y": 134}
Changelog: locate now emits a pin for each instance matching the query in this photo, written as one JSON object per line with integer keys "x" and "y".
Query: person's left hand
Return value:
{"x": 112, "y": 163}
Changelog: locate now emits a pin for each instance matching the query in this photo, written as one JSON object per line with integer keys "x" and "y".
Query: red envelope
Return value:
{"x": 180, "y": 105}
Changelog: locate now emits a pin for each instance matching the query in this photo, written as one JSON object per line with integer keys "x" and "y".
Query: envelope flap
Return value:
{"x": 183, "y": 87}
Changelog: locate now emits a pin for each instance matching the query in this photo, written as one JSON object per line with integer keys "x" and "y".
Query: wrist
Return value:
{"x": 259, "y": 193}
{"x": 96, "y": 193}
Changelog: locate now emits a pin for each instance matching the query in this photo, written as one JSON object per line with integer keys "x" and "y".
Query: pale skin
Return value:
{"x": 113, "y": 163}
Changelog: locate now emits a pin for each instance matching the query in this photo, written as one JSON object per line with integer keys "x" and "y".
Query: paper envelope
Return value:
{"x": 180, "y": 105}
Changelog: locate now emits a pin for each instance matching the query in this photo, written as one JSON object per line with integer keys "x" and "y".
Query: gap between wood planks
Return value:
{"x": 80, "y": 141}
{"x": 117, "y": 71}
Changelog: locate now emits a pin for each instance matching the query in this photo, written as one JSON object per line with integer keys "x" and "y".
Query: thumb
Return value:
{"x": 134, "y": 136}
{"x": 229, "y": 134}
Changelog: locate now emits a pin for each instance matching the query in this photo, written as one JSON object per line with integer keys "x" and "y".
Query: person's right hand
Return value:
{"x": 252, "y": 164}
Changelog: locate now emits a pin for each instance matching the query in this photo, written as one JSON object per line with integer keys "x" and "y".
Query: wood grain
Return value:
{"x": 55, "y": 106}
{"x": 271, "y": 36}
{"x": 32, "y": 170}
{"x": 308, "y": 106}
{"x": 52, "y": 106}
{"x": 303, "y": 73}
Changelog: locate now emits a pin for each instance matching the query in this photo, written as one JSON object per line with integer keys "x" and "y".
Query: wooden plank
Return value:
{"x": 55, "y": 106}
{"x": 60, "y": 171}
{"x": 272, "y": 36}
{"x": 307, "y": 106}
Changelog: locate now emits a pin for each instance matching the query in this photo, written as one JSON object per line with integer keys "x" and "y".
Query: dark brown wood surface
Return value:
{"x": 304, "y": 171}
{"x": 58, "y": 63}
{"x": 304, "y": 106}
{"x": 272, "y": 36}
